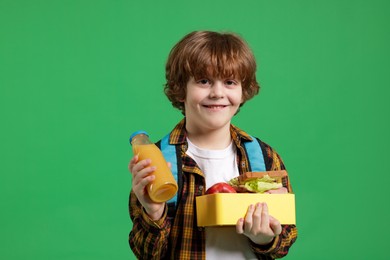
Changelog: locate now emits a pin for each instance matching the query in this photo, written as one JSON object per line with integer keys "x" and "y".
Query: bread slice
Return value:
{"x": 277, "y": 175}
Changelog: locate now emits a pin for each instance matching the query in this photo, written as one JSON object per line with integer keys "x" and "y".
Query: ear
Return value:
{"x": 183, "y": 99}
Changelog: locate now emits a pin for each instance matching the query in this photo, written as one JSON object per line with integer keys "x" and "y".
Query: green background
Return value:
{"x": 77, "y": 77}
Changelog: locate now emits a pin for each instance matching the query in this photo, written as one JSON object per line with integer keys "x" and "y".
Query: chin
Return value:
{"x": 217, "y": 124}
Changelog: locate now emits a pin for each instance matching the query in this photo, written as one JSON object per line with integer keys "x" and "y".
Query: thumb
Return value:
{"x": 275, "y": 225}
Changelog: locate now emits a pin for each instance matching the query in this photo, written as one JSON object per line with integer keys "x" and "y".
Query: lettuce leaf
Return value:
{"x": 261, "y": 185}
{"x": 234, "y": 182}
{"x": 256, "y": 185}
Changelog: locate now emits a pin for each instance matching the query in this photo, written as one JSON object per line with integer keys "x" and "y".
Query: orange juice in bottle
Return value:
{"x": 164, "y": 186}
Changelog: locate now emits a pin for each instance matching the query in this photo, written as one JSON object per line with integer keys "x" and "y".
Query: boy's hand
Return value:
{"x": 258, "y": 225}
{"x": 141, "y": 172}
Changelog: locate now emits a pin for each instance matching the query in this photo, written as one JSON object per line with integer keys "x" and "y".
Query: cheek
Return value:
{"x": 242, "y": 99}
{"x": 195, "y": 96}
{"x": 239, "y": 98}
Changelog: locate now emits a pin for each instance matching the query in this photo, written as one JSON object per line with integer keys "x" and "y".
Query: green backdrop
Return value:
{"x": 77, "y": 77}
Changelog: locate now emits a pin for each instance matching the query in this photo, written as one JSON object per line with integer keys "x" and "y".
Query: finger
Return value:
{"x": 265, "y": 217}
{"x": 132, "y": 162}
{"x": 248, "y": 219}
{"x": 240, "y": 226}
{"x": 145, "y": 181}
{"x": 140, "y": 165}
{"x": 140, "y": 184}
{"x": 257, "y": 216}
{"x": 144, "y": 173}
{"x": 169, "y": 165}
{"x": 275, "y": 225}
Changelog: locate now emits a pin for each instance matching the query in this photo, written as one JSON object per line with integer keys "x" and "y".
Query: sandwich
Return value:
{"x": 259, "y": 182}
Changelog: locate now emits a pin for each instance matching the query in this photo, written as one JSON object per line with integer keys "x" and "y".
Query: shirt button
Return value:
{"x": 200, "y": 189}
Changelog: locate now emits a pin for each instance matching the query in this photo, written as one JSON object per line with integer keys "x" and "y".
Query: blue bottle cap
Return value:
{"x": 137, "y": 133}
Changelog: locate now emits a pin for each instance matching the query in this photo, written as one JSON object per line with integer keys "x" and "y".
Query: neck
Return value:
{"x": 210, "y": 139}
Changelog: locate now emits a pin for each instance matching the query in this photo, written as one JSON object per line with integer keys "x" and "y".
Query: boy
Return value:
{"x": 209, "y": 77}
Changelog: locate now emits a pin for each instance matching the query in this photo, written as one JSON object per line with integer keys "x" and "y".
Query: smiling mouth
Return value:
{"x": 215, "y": 106}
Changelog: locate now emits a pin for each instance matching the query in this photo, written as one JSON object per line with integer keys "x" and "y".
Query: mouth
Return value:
{"x": 215, "y": 107}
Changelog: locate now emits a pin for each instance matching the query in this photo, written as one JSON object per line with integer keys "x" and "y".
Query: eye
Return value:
{"x": 231, "y": 82}
{"x": 203, "y": 82}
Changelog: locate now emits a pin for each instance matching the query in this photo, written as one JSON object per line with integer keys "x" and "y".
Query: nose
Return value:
{"x": 217, "y": 90}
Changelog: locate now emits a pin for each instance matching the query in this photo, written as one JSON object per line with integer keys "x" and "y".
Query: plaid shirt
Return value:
{"x": 179, "y": 237}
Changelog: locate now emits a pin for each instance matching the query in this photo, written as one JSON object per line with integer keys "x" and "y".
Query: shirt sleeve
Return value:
{"x": 280, "y": 246}
{"x": 148, "y": 239}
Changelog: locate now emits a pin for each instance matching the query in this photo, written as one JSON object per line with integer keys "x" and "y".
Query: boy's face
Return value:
{"x": 211, "y": 103}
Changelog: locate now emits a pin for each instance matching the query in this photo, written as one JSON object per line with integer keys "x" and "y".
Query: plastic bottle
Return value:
{"x": 164, "y": 186}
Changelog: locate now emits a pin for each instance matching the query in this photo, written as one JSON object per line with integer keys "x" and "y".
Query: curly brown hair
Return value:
{"x": 213, "y": 54}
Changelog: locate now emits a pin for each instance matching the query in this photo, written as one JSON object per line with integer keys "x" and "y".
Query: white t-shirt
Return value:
{"x": 221, "y": 166}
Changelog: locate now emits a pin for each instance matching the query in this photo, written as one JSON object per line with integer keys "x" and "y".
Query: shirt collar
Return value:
{"x": 179, "y": 134}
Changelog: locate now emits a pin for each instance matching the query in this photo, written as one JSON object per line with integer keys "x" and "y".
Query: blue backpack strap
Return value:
{"x": 169, "y": 152}
{"x": 255, "y": 155}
